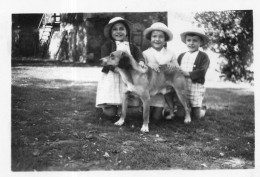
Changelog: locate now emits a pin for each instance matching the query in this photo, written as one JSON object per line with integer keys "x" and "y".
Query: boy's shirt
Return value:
{"x": 188, "y": 61}
{"x": 200, "y": 67}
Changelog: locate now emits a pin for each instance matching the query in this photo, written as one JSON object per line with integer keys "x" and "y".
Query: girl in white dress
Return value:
{"x": 158, "y": 55}
{"x": 110, "y": 86}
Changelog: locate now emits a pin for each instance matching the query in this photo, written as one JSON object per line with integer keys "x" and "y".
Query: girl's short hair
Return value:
{"x": 126, "y": 27}
{"x": 149, "y": 35}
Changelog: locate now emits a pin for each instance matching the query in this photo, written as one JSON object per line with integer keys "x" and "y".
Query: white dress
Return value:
{"x": 110, "y": 86}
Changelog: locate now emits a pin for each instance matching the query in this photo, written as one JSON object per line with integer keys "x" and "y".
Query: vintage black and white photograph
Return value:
{"x": 129, "y": 90}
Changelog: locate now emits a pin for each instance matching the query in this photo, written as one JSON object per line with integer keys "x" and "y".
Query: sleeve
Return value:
{"x": 137, "y": 54}
{"x": 145, "y": 57}
{"x": 105, "y": 50}
{"x": 174, "y": 60}
{"x": 201, "y": 68}
{"x": 179, "y": 59}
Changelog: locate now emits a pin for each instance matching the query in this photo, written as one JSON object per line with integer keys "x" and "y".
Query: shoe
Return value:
{"x": 203, "y": 111}
{"x": 167, "y": 114}
{"x": 169, "y": 117}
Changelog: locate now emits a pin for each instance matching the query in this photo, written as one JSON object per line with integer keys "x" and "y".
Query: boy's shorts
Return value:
{"x": 196, "y": 93}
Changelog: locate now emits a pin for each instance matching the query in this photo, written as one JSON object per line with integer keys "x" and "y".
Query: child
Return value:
{"x": 110, "y": 87}
{"x": 157, "y": 55}
{"x": 194, "y": 64}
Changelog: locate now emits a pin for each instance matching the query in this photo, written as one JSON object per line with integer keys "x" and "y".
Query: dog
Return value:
{"x": 146, "y": 83}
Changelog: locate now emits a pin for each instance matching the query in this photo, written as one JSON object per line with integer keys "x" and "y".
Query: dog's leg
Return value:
{"x": 121, "y": 121}
{"x": 182, "y": 97}
{"x": 146, "y": 112}
{"x": 126, "y": 79}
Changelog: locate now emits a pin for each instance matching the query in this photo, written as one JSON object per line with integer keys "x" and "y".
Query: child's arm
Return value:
{"x": 152, "y": 64}
{"x": 173, "y": 64}
{"x": 199, "y": 72}
{"x": 137, "y": 54}
{"x": 106, "y": 49}
{"x": 142, "y": 64}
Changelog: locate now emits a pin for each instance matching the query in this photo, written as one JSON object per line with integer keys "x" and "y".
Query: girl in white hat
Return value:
{"x": 110, "y": 85}
{"x": 194, "y": 64}
{"x": 159, "y": 34}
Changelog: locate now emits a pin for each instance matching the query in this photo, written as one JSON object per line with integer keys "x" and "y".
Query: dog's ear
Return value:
{"x": 124, "y": 62}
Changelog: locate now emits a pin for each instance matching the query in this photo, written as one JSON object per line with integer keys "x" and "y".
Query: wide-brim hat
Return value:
{"x": 116, "y": 20}
{"x": 158, "y": 26}
{"x": 195, "y": 31}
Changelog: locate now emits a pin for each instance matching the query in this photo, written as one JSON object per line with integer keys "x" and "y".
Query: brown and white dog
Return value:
{"x": 146, "y": 83}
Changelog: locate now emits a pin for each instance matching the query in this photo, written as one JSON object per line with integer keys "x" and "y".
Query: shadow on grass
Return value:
{"x": 55, "y": 126}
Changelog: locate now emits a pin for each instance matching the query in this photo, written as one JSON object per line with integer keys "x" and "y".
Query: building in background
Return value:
{"x": 25, "y": 35}
{"x": 77, "y": 37}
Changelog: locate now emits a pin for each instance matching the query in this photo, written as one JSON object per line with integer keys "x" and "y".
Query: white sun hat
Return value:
{"x": 158, "y": 26}
{"x": 195, "y": 31}
{"x": 116, "y": 20}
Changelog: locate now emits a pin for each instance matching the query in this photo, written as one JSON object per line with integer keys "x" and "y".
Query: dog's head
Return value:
{"x": 117, "y": 58}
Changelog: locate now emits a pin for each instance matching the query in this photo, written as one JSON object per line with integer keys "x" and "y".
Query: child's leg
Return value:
{"x": 110, "y": 111}
{"x": 196, "y": 97}
{"x": 178, "y": 108}
{"x": 180, "y": 112}
{"x": 119, "y": 111}
{"x": 156, "y": 113}
{"x": 199, "y": 112}
{"x": 195, "y": 113}
{"x": 169, "y": 98}
{"x": 203, "y": 111}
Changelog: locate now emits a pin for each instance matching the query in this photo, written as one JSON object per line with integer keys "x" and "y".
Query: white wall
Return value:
{"x": 177, "y": 23}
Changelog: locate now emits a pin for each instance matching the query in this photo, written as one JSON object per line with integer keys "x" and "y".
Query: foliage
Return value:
{"x": 231, "y": 35}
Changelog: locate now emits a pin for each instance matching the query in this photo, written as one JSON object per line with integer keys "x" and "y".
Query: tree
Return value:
{"x": 231, "y": 35}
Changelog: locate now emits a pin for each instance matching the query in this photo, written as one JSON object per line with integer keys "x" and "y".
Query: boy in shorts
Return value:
{"x": 194, "y": 65}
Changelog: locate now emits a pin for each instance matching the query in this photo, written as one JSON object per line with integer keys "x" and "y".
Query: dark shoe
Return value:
{"x": 166, "y": 113}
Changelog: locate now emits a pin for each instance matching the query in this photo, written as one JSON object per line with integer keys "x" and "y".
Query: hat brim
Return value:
{"x": 108, "y": 26}
{"x": 150, "y": 29}
{"x": 204, "y": 38}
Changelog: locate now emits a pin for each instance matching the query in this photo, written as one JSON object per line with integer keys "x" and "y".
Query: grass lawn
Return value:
{"x": 55, "y": 126}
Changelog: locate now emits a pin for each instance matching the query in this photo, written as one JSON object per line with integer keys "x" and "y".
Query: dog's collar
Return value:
{"x": 108, "y": 68}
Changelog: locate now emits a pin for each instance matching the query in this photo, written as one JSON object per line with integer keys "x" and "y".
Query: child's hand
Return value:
{"x": 154, "y": 66}
{"x": 141, "y": 63}
{"x": 185, "y": 73}
{"x": 171, "y": 66}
